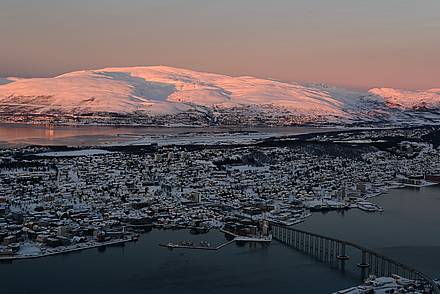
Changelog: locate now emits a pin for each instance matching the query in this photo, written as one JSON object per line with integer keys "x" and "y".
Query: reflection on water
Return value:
{"x": 19, "y": 135}
{"x": 48, "y": 135}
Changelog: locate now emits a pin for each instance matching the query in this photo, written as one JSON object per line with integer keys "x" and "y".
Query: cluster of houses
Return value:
{"x": 50, "y": 204}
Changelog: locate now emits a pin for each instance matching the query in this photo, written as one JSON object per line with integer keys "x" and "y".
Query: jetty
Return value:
{"x": 171, "y": 245}
{"x": 206, "y": 246}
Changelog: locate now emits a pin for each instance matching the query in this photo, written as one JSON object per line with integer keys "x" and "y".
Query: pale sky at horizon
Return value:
{"x": 351, "y": 43}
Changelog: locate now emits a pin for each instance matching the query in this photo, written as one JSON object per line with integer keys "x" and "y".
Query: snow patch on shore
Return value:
{"x": 76, "y": 153}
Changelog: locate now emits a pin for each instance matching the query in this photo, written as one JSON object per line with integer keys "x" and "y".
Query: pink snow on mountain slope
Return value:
{"x": 88, "y": 91}
{"x": 224, "y": 91}
{"x": 409, "y": 99}
{"x": 157, "y": 90}
{"x": 160, "y": 89}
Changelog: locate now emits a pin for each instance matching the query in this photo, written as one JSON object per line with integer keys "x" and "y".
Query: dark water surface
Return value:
{"x": 21, "y": 135}
{"x": 144, "y": 267}
{"x": 408, "y": 230}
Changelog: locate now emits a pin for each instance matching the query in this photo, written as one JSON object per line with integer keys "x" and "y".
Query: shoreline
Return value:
{"x": 103, "y": 244}
{"x": 22, "y": 135}
{"x": 9, "y": 259}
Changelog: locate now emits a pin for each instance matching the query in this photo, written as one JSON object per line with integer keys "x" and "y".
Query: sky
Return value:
{"x": 351, "y": 43}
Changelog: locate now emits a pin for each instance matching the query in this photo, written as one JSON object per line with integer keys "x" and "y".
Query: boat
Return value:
{"x": 368, "y": 206}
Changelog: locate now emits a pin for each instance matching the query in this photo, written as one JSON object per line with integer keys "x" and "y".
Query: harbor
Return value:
{"x": 54, "y": 199}
{"x": 145, "y": 266}
{"x": 260, "y": 235}
{"x": 212, "y": 204}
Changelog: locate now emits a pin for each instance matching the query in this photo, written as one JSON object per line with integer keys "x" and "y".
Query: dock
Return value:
{"x": 253, "y": 239}
{"x": 237, "y": 238}
{"x": 178, "y": 246}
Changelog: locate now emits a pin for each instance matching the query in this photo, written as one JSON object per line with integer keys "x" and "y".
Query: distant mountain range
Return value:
{"x": 160, "y": 95}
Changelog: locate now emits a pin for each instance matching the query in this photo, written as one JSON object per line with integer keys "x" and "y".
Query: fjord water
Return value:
{"x": 23, "y": 134}
{"x": 408, "y": 231}
{"x": 144, "y": 267}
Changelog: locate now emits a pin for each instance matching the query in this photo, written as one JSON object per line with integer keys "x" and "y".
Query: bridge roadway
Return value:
{"x": 336, "y": 253}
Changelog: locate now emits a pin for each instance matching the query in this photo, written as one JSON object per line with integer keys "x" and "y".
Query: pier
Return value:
{"x": 342, "y": 255}
{"x": 178, "y": 246}
{"x": 237, "y": 238}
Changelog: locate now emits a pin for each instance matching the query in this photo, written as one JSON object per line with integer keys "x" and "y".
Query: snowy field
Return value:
{"x": 76, "y": 153}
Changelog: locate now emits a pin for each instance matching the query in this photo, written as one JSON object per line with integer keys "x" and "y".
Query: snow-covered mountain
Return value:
{"x": 427, "y": 99}
{"x": 147, "y": 94}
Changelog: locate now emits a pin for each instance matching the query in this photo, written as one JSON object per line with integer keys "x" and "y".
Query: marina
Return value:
{"x": 263, "y": 237}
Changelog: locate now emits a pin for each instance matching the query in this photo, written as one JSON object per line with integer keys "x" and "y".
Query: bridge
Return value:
{"x": 342, "y": 255}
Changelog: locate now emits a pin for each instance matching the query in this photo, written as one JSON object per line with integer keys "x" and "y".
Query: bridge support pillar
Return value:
{"x": 364, "y": 265}
{"x": 343, "y": 257}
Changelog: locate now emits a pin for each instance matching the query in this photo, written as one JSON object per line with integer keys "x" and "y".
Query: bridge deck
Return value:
{"x": 335, "y": 252}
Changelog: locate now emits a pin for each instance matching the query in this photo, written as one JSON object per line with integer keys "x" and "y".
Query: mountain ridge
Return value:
{"x": 157, "y": 91}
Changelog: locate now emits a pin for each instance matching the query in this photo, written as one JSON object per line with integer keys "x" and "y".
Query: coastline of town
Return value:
{"x": 64, "y": 200}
